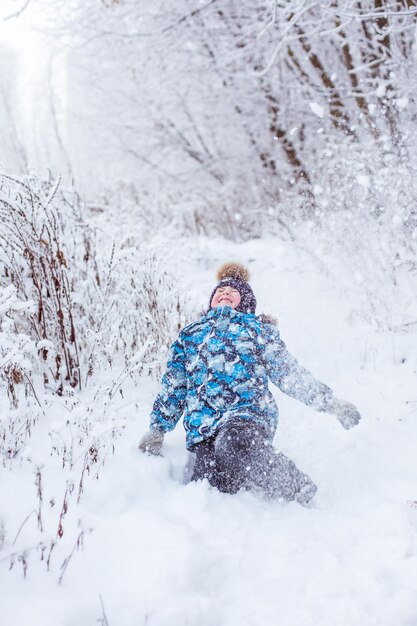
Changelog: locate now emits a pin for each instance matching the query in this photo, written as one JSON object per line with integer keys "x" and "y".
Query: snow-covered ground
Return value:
{"x": 157, "y": 551}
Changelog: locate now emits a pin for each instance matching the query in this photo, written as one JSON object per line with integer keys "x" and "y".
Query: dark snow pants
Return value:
{"x": 241, "y": 456}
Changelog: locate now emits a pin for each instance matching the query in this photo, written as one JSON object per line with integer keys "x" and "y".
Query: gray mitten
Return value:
{"x": 347, "y": 414}
{"x": 151, "y": 442}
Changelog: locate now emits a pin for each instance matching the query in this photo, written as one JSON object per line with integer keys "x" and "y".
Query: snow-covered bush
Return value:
{"x": 363, "y": 228}
{"x": 89, "y": 307}
{"x": 84, "y": 312}
{"x": 33, "y": 249}
{"x": 18, "y": 356}
{"x": 17, "y": 350}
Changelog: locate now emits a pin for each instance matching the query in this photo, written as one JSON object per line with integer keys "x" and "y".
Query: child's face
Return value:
{"x": 226, "y": 296}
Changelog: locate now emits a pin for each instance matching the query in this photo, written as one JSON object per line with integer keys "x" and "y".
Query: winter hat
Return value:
{"x": 236, "y": 275}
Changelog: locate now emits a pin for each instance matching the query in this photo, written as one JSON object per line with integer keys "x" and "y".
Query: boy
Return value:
{"x": 217, "y": 379}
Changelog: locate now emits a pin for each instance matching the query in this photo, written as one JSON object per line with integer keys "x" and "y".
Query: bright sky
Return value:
{"x": 26, "y": 70}
{"x": 16, "y": 31}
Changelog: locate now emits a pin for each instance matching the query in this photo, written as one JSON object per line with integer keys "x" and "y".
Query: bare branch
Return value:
{"x": 18, "y": 12}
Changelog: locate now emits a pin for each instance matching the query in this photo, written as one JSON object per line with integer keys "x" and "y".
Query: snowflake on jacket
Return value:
{"x": 219, "y": 368}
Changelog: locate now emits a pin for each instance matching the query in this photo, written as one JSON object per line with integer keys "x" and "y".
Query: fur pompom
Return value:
{"x": 233, "y": 270}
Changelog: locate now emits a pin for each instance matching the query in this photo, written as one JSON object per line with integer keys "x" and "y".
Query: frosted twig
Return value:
{"x": 283, "y": 40}
{"x": 18, "y": 12}
{"x": 374, "y": 15}
{"x": 66, "y": 561}
{"x": 336, "y": 29}
{"x": 21, "y": 526}
{"x": 103, "y": 619}
{"x": 33, "y": 389}
{"x": 271, "y": 22}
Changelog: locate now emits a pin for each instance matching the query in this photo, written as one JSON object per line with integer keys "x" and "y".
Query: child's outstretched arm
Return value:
{"x": 296, "y": 381}
{"x": 169, "y": 403}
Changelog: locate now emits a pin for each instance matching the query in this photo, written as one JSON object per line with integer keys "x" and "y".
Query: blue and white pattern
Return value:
{"x": 219, "y": 369}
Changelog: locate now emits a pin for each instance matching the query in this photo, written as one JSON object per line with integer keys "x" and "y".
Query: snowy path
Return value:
{"x": 164, "y": 553}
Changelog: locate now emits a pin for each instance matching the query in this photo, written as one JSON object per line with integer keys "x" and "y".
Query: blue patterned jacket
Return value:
{"x": 219, "y": 369}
